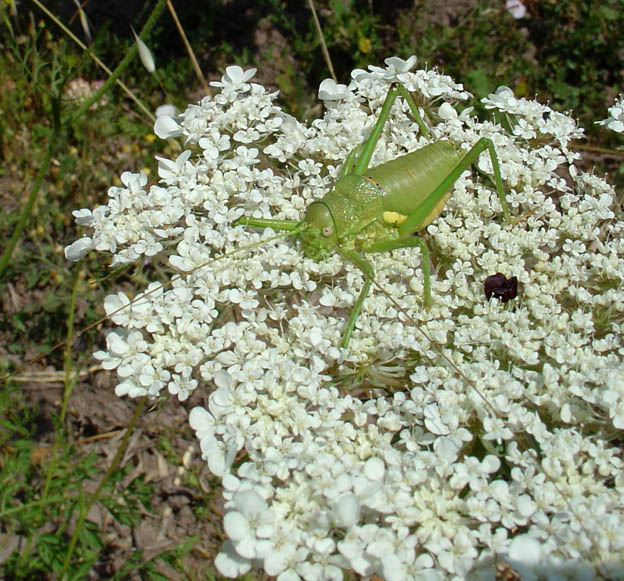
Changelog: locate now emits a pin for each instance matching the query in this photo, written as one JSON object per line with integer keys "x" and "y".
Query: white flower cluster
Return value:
{"x": 615, "y": 121}
{"x": 532, "y": 120}
{"x": 441, "y": 438}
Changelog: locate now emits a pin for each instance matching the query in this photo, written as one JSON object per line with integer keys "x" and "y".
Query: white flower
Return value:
{"x": 447, "y": 112}
{"x": 218, "y": 451}
{"x": 235, "y": 78}
{"x": 516, "y": 8}
{"x": 170, "y": 170}
{"x": 166, "y": 127}
{"x": 167, "y": 109}
{"x": 503, "y": 98}
{"x": 347, "y": 511}
{"x": 249, "y": 524}
{"x": 525, "y": 556}
{"x": 329, "y": 90}
{"x": 398, "y": 65}
{"x": 285, "y": 561}
{"x": 135, "y": 182}
{"x": 615, "y": 121}
{"x": 79, "y": 249}
{"x": 230, "y": 563}
{"x": 87, "y": 218}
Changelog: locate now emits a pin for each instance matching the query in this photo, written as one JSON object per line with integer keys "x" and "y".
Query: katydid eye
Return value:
{"x": 327, "y": 231}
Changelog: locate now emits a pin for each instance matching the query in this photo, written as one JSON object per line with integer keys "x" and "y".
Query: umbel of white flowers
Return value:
{"x": 615, "y": 121}
{"x": 382, "y": 458}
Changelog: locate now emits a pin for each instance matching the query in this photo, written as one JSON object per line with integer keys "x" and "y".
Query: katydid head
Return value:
{"x": 320, "y": 235}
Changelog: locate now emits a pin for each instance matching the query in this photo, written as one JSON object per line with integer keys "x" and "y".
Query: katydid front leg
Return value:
{"x": 284, "y": 225}
{"x": 369, "y": 274}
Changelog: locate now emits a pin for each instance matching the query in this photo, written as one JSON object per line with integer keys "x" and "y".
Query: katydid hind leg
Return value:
{"x": 423, "y": 214}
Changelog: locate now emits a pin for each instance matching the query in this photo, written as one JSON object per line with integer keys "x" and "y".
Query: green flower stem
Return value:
{"x": 96, "y": 495}
{"x": 70, "y": 382}
{"x": 27, "y": 210}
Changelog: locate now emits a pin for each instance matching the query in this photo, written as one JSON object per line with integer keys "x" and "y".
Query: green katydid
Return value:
{"x": 380, "y": 209}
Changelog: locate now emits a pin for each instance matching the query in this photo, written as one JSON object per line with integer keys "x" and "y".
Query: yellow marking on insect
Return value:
{"x": 394, "y": 218}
